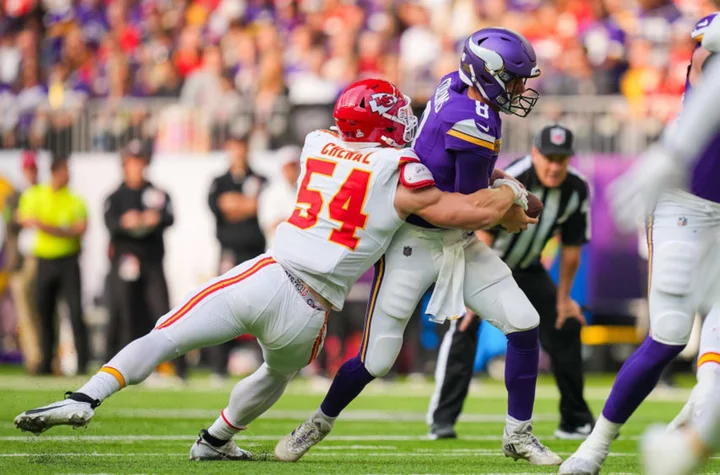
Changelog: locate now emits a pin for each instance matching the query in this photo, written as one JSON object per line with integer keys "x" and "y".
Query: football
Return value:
{"x": 535, "y": 206}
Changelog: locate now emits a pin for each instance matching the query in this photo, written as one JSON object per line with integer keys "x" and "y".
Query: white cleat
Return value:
{"x": 202, "y": 450}
{"x": 584, "y": 461}
{"x": 292, "y": 447}
{"x": 67, "y": 412}
{"x": 666, "y": 452}
{"x": 579, "y": 433}
{"x": 580, "y": 466}
{"x": 522, "y": 444}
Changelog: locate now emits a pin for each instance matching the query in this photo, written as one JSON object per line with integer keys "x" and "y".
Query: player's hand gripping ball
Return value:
{"x": 535, "y": 206}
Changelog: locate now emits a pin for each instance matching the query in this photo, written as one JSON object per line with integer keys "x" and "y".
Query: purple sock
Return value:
{"x": 637, "y": 377}
{"x": 521, "y": 372}
{"x": 349, "y": 381}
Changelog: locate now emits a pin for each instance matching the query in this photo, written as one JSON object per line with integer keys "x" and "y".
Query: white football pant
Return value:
{"x": 256, "y": 297}
{"x": 411, "y": 265}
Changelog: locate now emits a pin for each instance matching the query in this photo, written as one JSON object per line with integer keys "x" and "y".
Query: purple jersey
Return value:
{"x": 705, "y": 174}
{"x": 458, "y": 139}
{"x": 452, "y": 126}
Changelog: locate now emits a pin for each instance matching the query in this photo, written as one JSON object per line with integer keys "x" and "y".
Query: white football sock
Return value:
{"x": 706, "y": 405}
{"x": 511, "y": 423}
{"x": 101, "y": 386}
{"x": 707, "y": 388}
{"x": 249, "y": 399}
{"x": 319, "y": 414}
{"x": 602, "y": 435}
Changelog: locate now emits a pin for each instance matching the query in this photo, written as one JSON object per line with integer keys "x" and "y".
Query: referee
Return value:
{"x": 565, "y": 196}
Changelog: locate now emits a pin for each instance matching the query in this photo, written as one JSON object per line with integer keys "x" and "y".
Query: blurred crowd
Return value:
{"x": 277, "y": 65}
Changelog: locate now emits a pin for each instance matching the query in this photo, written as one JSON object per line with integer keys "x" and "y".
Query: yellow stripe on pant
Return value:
{"x": 377, "y": 282}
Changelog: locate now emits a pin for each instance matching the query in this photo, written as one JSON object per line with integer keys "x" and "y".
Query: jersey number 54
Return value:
{"x": 345, "y": 207}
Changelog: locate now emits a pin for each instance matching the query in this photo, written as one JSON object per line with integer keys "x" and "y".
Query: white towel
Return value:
{"x": 448, "y": 301}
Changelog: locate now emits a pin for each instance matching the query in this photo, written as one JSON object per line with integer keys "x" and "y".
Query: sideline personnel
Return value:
{"x": 60, "y": 218}
{"x": 136, "y": 216}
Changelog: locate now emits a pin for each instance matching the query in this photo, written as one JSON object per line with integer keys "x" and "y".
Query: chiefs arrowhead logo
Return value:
{"x": 382, "y": 102}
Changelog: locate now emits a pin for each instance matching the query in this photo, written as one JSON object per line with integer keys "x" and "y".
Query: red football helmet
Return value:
{"x": 374, "y": 110}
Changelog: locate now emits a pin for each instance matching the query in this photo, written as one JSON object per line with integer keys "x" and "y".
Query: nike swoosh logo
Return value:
{"x": 486, "y": 128}
{"x": 702, "y": 23}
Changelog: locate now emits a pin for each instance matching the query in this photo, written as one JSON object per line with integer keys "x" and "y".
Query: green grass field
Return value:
{"x": 144, "y": 430}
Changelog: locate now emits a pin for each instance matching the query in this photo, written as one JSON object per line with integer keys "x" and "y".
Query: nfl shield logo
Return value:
{"x": 557, "y": 136}
{"x": 407, "y": 251}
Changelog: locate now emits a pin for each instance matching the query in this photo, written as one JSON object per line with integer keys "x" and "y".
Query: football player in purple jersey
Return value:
{"x": 459, "y": 138}
{"x": 683, "y": 203}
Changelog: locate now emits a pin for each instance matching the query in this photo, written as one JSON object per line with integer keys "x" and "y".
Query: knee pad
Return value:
{"x": 386, "y": 328}
{"x": 516, "y": 313}
{"x": 674, "y": 265}
{"x": 382, "y": 353}
{"x": 385, "y": 340}
{"x": 671, "y": 327}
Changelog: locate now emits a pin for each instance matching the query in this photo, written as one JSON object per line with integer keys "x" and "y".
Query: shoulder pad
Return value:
{"x": 408, "y": 155}
{"x": 415, "y": 175}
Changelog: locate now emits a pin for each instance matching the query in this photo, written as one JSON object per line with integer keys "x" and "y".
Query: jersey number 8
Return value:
{"x": 346, "y": 207}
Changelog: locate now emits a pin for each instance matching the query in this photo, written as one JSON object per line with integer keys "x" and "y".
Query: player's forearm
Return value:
{"x": 497, "y": 199}
{"x": 485, "y": 208}
{"x": 699, "y": 120}
{"x": 569, "y": 264}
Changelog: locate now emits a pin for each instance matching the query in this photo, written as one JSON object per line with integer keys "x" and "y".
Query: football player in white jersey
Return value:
{"x": 683, "y": 201}
{"x": 681, "y": 450}
{"x": 355, "y": 190}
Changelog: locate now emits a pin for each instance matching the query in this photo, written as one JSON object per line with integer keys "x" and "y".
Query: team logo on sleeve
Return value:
{"x": 557, "y": 136}
{"x": 382, "y": 102}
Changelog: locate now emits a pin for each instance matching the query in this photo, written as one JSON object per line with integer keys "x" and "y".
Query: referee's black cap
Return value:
{"x": 555, "y": 139}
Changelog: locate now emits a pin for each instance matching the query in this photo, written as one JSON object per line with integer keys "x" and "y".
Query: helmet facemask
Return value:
{"x": 406, "y": 119}
{"x": 519, "y": 104}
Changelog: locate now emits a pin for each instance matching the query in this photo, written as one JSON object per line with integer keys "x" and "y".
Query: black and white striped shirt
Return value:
{"x": 567, "y": 212}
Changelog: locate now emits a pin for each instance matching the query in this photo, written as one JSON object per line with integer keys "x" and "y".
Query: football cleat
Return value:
{"x": 666, "y": 452}
{"x": 292, "y": 447}
{"x": 203, "y": 450}
{"x": 442, "y": 432}
{"x": 575, "y": 433}
{"x": 522, "y": 444}
{"x": 583, "y": 462}
{"x": 76, "y": 410}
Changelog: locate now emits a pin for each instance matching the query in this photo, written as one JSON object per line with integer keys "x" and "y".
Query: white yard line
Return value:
{"x": 242, "y": 438}
{"x": 306, "y": 388}
{"x": 350, "y": 415}
{"x": 475, "y": 453}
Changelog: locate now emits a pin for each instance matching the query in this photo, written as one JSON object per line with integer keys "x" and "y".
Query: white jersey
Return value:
{"x": 345, "y": 216}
